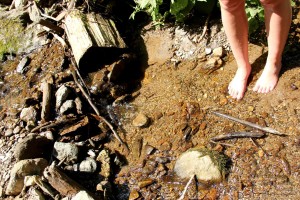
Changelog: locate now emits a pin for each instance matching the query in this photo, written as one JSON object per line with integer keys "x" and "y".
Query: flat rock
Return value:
{"x": 140, "y": 120}
{"x": 199, "y": 163}
{"x": 82, "y": 195}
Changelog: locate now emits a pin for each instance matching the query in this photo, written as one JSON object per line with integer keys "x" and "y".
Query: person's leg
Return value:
{"x": 277, "y": 19}
{"x": 236, "y": 28}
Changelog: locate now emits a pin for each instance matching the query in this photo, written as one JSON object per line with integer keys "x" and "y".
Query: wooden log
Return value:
{"x": 61, "y": 182}
{"x": 46, "y": 104}
{"x": 87, "y": 33}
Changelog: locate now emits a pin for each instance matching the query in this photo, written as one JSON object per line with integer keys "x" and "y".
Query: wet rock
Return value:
{"x": 104, "y": 158}
{"x": 33, "y": 146}
{"x": 88, "y": 165}
{"x": 145, "y": 183}
{"x": 202, "y": 163}
{"x": 20, "y": 170}
{"x": 82, "y": 195}
{"x": 140, "y": 120}
{"x": 29, "y": 114}
{"x": 66, "y": 151}
{"x": 213, "y": 63}
{"x": 21, "y": 68}
{"x": 61, "y": 95}
{"x": 134, "y": 195}
{"x": 218, "y": 52}
{"x": 67, "y": 107}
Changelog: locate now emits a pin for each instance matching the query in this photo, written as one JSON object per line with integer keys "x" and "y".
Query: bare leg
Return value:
{"x": 277, "y": 20}
{"x": 236, "y": 28}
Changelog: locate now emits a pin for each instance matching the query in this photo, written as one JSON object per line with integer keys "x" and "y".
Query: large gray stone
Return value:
{"x": 20, "y": 170}
{"x": 67, "y": 151}
{"x": 33, "y": 146}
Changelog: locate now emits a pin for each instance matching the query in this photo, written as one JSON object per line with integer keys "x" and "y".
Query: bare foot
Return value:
{"x": 238, "y": 85}
{"x": 268, "y": 79}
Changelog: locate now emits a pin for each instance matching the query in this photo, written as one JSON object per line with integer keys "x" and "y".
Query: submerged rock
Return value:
{"x": 207, "y": 165}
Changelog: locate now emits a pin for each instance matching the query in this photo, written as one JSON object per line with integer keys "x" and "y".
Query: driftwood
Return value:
{"x": 46, "y": 104}
{"x": 86, "y": 32}
{"x": 233, "y": 135}
{"x": 265, "y": 129}
{"x": 97, "y": 116}
{"x": 61, "y": 182}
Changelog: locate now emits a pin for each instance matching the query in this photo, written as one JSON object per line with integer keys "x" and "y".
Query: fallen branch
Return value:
{"x": 61, "y": 182}
{"x": 265, "y": 129}
{"x": 233, "y": 135}
{"x": 96, "y": 109}
{"x": 186, "y": 187}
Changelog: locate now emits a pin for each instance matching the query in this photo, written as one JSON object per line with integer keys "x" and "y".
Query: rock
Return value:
{"x": 33, "y": 146}
{"x": 78, "y": 104}
{"x": 213, "y": 63}
{"x": 19, "y": 3}
{"x": 145, "y": 183}
{"x": 133, "y": 195}
{"x": 20, "y": 170}
{"x": 218, "y": 52}
{"x": 82, "y": 195}
{"x": 140, "y": 120}
{"x": 66, "y": 151}
{"x": 35, "y": 194}
{"x": 103, "y": 185}
{"x": 17, "y": 130}
{"x": 203, "y": 163}
{"x": 8, "y": 132}
{"x": 21, "y": 68}
{"x": 61, "y": 95}
{"x": 104, "y": 158}
{"x": 48, "y": 135}
{"x": 67, "y": 107}
{"x": 88, "y": 165}
{"x": 208, "y": 50}
{"x": 29, "y": 114}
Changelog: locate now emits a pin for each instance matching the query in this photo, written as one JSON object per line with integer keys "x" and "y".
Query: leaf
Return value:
{"x": 177, "y": 6}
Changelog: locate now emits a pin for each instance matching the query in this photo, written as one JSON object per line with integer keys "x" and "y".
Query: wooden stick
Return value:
{"x": 96, "y": 110}
{"x": 233, "y": 135}
{"x": 266, "y": 129}
{"x": 186, "y": 187}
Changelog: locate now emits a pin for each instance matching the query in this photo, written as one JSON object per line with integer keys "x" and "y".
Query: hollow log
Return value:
{"x": 87, "y": 33}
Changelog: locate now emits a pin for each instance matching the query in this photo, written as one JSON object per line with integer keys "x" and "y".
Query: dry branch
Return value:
{"x": 61, "y": 182}
{"x": 265, "y": 129}
{"x": 233, "y": 135}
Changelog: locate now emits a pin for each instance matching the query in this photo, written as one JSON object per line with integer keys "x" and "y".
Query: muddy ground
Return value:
{"x": 180, "y": 94}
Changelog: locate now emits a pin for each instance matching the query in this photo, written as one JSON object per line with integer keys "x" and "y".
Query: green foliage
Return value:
{"x": 255, "y": 14}
{"x": 180, "y": 9}
{"x": 10, "y": 35}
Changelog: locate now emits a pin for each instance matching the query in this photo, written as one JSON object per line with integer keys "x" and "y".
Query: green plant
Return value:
{"x": 255, "y": 14}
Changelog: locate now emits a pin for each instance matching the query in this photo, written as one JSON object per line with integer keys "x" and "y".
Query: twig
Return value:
{"x": 97, "y": 111}
{"x": 258, "y": 146}
{"x": 221, "y": 143}
{"x": 233, "y": 135}
{"x": 186, "y": 187}
{"x": 266, "y": 129}
{"x": 205, "y": 28}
